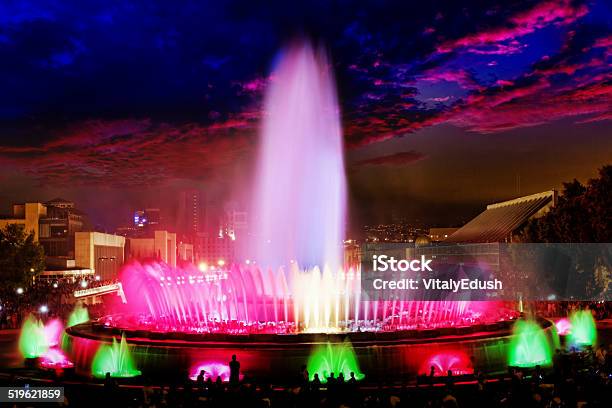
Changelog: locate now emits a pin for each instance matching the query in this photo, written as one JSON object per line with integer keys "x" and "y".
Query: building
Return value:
{"x": 28, "y": 215}
{"x": 502, "y": 222}
{"x": 57, "y": 229}
{"x": 191, "y": 215}
{"x": 218, "y": 250}
{"x": 53, "y": 223}
{"x": 440, "y": 234}
{"x": 149, "y": 218}
{"x": 161, "y": 247}
{"x": 101, "y": 253}
{"x": 185, "y": 252}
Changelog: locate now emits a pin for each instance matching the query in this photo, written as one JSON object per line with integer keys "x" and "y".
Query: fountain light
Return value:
{"x": 529, "y": 346}
{"x": 457, "y": 361}
{"x": 584, "y": 329}
{"x": 43, "y": 309}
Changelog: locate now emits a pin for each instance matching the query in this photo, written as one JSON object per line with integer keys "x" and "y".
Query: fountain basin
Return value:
{"x": 398, "y": 355}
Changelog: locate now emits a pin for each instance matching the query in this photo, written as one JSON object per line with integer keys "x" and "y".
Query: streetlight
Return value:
{"x": 55, "y": 285}
{"x": 43, "y": 309}
{"x": 83, "y": 283}
{"x": 19, "y": 291}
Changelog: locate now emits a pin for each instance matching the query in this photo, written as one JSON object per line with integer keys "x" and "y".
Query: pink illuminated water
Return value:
{"x": 55, "y": 358}
{"x": 564, "y": 327}
{"x": 53, "y": 331}
{"x": 457, "y": 362}
{"x": 242, "y": 300}
{"x": 300, "y": 198}
{"x": 212, "y": 370}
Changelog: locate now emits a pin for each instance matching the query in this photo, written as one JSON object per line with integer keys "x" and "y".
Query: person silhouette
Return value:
{"x": 200, "y": 379}
{"x": 234, "y": 367}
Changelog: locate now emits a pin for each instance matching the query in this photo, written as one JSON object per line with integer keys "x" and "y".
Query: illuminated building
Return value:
{"x": 191, "y": 216}
{"x": 57, "y": 230}
{"x": 161, "y": 246}
{"x": 28, "y": 215}
{"x": 99, "y": 252}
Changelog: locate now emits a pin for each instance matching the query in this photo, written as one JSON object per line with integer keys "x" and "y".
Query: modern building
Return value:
{"x": 191, "y": 215}
{"x": 99, "y": 252}
{"x": 28, "y": 215}
{"x": 185, "y": 252}
{"x": 502, "y": 222}
{"x": 53, "y": 223}
{"x": 57, "y": 229}
{"x": 149, "y": 218}
{"x": 161, "y": 246}
{"x": 216, "y": 249}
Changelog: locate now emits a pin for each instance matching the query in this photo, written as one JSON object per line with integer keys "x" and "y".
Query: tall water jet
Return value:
{"x": 300, "y": 193}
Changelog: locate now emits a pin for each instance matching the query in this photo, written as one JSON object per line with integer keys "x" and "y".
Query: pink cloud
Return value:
{"x": 561, "y": 12}
{"x": 532, "y": 105}
{"x": 461, "y": 77}
{"x": 134, "y": 152}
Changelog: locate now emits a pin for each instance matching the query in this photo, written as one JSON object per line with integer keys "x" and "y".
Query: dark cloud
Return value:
{"x": 396, "y": 159}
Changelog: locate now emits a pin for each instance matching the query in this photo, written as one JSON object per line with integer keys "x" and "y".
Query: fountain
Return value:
{"x": 530, "y": 345}
{"x": 456, "y": 361}
{"x": 583, "y": 330}
{"x": 300, "y": 194}
{"x": 297, "y": 295}
{"x": 115, "y": 359}
{"x": 334, "y": 358}
{"x": 78, "y": 315}
{"x": 32, "y": 340}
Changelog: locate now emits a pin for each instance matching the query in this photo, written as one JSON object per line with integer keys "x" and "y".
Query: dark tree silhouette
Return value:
{"x": 583, "y": 213}
{"x": 21, "y": 257}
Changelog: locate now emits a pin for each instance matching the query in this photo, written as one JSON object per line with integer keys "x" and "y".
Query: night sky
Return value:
{"x": 446, "y": 106}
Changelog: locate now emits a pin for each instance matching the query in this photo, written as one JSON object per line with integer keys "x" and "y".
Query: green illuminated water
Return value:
{"x": 584, "y": 330}
{"x": 79, "y": 315}
{"x": 115, "y": 359}
{"x": 529, "y": 345}
{"x": 32, "y": 340}
{"x": 334, "y": 358}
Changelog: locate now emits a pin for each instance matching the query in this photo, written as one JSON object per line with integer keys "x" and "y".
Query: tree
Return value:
{"x": 583, "y": 213}
{"x": 21, "y": 257}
